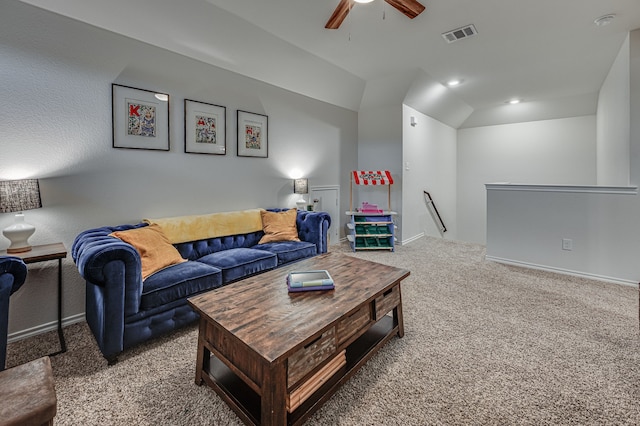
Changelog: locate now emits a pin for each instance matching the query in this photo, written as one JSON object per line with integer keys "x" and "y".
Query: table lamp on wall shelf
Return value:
{"x": 17, "y": 196}
{"x": 301, "y": 186}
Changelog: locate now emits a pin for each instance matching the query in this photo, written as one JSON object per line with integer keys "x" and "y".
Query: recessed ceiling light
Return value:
{"x": 162, "y": 97}
{"x": 454, "y": 82}
{"x": 363, "y": 1}
{"x": 514, "y": 101}
{"x": 604, "y": 20}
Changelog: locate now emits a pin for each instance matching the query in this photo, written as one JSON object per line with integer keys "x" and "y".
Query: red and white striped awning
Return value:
{"x": 368, "y": 177}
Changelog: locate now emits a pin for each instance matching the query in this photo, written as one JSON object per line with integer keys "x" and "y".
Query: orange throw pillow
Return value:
{"x": 279, "y": 226}
{"x": 156, "y": 252}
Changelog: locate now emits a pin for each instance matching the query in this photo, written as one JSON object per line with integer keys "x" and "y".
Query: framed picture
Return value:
{"x": 205, "y": 128}
{"x": 253, "y": 135}
{"x": 140, "y": 118}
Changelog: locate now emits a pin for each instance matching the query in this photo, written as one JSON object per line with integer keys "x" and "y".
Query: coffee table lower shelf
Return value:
{"x": 246, "y": 402}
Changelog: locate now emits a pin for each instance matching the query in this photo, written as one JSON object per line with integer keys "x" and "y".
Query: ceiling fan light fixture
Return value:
{"x": 410, "y": 8}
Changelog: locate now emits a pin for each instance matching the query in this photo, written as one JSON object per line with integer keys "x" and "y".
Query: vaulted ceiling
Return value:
{"x": 549, "y": 53}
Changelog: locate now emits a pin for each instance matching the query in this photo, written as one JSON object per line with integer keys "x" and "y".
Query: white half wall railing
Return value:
{"x": 588, "y": 231}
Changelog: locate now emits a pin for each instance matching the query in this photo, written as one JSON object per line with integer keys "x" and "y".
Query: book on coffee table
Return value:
{"x": 309, "y": 280}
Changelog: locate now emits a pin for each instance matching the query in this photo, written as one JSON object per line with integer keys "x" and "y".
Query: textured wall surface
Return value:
{"x": 55, "y": 122}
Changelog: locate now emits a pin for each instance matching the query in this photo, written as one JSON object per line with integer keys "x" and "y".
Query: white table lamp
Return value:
{"x": 301, "y": 186}
{"x": 17, "y": 196}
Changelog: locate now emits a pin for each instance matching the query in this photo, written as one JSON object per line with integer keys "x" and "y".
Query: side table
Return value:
{"x": 43, "y": 253}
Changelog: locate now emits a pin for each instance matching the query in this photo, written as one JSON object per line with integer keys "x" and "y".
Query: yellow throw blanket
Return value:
{"x": 181, "y": 229}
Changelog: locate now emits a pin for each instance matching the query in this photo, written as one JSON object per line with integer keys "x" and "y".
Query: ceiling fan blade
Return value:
{"x": 341, "y": 12}
{"x": 411, "y": 8}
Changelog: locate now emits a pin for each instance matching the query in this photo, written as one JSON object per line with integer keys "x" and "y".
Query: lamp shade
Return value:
{"x": 19, "y": 195}
{"x": 300, "y": 186}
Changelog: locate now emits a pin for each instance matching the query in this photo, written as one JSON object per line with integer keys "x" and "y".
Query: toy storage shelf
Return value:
{"x": 371, "y": 231}
{"x": 371, "y": 228}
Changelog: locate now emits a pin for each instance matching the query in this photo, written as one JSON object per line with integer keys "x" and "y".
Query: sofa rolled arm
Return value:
{"x": 107, "y": 261}
{"x": 13, "y": 273}
{"x": 94, "y": 248}
{"x": 313, "y": 227}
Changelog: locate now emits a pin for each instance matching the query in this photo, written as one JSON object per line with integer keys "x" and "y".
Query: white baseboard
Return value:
{"x": 414, "y": 238}
{"x": 43, "y": 328}
{"x": 403, "y": 242}
{"x": 564, "y": 271}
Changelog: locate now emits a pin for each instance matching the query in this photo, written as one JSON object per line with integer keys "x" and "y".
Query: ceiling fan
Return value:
{"x": 411, "y": 8}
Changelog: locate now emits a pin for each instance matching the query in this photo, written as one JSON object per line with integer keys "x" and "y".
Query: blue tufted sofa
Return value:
{"x": 122, "y": 310}
{"x": 13, "y": 272}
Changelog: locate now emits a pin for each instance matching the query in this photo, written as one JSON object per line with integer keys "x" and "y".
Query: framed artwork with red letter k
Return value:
{"x": 140, "y": 118}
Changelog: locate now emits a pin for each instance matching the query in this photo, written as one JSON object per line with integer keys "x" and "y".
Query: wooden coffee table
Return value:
{"x": 275, "y": 357}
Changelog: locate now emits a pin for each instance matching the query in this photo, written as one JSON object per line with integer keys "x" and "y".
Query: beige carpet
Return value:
{"x": 485, "y": 344}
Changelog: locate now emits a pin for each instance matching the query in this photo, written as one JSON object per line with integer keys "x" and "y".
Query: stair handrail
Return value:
{"x": 429, "y": 201}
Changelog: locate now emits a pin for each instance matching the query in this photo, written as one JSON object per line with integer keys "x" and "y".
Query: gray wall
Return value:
{"x": 55, "y": 122}
{"x": 561, "y": 152}
{"x": 526, "y": 225}
{"x": 429, "y": 164}
{"x": 380, "y": 148}
{"x": 613, "y": 124}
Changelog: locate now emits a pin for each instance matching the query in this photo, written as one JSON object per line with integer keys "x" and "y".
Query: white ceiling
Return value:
{"x": 547, "y": 52}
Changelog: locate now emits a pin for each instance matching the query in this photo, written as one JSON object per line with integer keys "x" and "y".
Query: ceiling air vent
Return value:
{"x": 459, "y": 33}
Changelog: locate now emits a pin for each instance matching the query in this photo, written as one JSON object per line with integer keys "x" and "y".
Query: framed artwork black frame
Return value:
{"x": 205, "y": 128}
{"x": 253, "y": 134}
{"x": 140, "y": 118}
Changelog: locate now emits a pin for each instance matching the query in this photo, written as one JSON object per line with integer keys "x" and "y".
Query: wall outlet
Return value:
{"x": 567, "y": 244}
